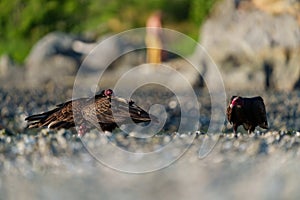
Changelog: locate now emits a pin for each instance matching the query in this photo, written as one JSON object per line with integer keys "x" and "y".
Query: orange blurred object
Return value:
{"x": 154, "y": 38}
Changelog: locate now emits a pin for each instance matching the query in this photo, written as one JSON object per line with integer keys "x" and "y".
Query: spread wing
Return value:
{"x": 98, "y": 111}
{"x": 59, "y": 117}
{"x": 107, "y": 110}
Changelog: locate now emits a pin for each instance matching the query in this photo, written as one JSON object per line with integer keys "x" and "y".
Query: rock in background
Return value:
{"x": 56, "y": 58}
{"x": 53, "y": 59}
{"x": 255, "y": 45}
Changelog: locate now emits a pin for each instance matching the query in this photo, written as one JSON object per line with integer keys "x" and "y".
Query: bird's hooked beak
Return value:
{"x": 232, "y": 105}
{"x": 154, "y": 119}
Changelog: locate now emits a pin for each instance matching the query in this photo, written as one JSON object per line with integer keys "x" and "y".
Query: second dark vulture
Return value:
{"x": 249, "y": 112}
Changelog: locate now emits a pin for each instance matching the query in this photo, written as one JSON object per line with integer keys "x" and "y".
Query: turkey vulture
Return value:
{"x": 104, "y": 109}
{"x": 249, "y": 112}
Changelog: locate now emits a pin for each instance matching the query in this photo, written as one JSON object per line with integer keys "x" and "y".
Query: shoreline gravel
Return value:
{"x": 51, "y": 164}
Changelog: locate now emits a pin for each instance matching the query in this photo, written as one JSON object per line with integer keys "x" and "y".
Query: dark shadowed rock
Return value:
{"x": 102, "y": 53}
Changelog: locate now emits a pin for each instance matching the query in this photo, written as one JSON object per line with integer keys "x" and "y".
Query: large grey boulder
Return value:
{"x": 57, "y": 57}
{"x": 53, "y": 59}
{"x": 252, "y": 48}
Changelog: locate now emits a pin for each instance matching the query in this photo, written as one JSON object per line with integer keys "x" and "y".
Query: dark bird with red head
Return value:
{"x": 104, "y": 110}
{"x": 249, "y": 112}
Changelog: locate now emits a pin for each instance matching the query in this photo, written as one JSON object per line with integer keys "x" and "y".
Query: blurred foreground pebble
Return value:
{"x": 49, "y": 149}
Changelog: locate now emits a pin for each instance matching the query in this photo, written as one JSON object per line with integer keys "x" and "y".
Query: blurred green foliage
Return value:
{"x": 22, "y": 23}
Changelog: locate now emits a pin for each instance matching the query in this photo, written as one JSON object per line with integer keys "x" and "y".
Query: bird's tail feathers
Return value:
{"x": 38, "y": 120}
{"x": 36, "y": 117}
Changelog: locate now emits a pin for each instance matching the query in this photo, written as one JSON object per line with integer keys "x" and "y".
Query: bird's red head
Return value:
{"x": 108, "y": 92}
{"x": 237, "y": 101}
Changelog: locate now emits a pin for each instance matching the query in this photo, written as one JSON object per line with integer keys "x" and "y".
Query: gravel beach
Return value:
{"x": 49, "y": 164}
